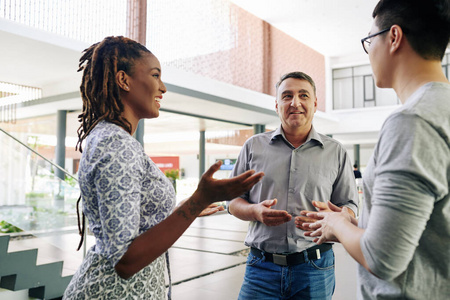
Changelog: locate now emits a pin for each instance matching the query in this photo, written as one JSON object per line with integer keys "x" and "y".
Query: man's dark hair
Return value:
{"x": 425, "y": 23}
{"x": 297, "y": 75}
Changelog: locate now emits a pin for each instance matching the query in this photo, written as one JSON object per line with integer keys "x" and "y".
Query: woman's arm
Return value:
{"x": 158, "y": 239}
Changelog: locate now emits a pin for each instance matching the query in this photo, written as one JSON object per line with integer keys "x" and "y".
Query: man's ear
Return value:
{"x": 276, "y": 105}
{"x": 396, "y": 37}
{"x": 122, "y": 80}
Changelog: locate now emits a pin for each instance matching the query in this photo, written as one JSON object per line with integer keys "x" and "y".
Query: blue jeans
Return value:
{"x": 313, "y": 279}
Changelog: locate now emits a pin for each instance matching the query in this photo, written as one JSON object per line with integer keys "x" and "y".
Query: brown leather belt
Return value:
{"x": 292, "y": 258}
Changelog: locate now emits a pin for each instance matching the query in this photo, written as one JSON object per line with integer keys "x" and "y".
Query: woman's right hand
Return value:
{"x": 212, "y": 190}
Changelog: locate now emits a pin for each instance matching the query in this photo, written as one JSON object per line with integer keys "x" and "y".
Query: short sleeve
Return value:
{"x": 242, "y": 164}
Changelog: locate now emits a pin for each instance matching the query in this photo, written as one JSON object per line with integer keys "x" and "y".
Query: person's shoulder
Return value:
{"x": 430, "y": 99}
{"x": 108, "y": 136}
{"x": 327, "y": 140}
{"x": 261, "y": 137}
{"x": 430, "y": 104}
{"x": 106, "y": 129}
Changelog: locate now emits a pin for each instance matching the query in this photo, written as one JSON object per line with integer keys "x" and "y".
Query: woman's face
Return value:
{"x": 143, "y": 89}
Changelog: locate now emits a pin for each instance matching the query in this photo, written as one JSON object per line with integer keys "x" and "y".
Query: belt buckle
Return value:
{"x": 279, "y": 259}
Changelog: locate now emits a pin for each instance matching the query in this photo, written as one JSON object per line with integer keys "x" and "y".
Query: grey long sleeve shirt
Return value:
{"x": 406, "y": 211}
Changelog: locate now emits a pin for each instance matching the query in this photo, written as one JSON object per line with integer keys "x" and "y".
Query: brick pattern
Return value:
{"x": 229, "y": 44}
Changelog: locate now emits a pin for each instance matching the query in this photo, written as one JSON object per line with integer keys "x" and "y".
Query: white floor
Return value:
{"x": 221, "y": 234}
{"x": 207, "y": 262}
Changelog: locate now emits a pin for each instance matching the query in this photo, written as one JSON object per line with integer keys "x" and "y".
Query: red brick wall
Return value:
{"x": 258, "y": 56}
{"x": 287, "y": 55}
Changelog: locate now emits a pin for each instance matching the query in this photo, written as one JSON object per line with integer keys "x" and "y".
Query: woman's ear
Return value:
{"x": 122, "y": 80}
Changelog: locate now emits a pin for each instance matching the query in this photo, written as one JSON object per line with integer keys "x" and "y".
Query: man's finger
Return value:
{"x": 320, "y": 205}
{"x": 315, "y": 215}
{"x": 333, "y": 207}
{"x": 305, "y": 212}
{"x": 315, "y": 225}
{"x": 304, "y": 219}
{"x": 317, "y": 232}
{"x": 270, "y": 203}
{"x": 276, "y": 213}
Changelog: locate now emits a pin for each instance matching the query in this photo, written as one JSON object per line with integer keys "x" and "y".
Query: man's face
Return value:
{"x": 296, "y": 104}
{"x": 379, "y": 57}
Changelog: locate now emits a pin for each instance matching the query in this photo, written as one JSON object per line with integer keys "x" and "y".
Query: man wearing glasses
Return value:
{"x": 403, "y": 239}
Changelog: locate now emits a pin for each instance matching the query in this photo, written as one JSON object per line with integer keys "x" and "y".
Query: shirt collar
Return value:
{"x": 312, "y": 136}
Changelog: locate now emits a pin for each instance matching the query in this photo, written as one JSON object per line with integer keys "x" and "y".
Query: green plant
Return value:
{"x": 71, "y": 181}
{"x": 36, "y": 195}
{"x": 5, "y": 227}
{"x": 172, "y": 174}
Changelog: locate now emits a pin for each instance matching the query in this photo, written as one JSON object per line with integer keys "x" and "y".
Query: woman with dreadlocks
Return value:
{"x": 127, "y": 200}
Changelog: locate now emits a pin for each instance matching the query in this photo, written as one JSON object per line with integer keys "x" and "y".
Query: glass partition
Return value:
{"x": 33, "y": 201}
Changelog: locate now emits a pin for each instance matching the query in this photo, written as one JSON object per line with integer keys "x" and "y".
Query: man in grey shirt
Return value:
{"x": 300, "y": 166}
{"x": 403, "y": 239}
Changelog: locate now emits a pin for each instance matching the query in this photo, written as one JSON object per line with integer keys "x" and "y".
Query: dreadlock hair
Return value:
{"x": 99, "y": 91}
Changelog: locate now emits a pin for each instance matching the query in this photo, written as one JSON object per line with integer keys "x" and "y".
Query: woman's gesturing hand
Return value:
{"x": 213, "y": 190}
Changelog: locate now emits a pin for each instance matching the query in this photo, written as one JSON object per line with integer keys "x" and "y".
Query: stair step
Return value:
{"x": 33, "y": 263}
{"x": 48, "y": 253}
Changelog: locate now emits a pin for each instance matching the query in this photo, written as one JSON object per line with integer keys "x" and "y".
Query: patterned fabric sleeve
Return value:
{"x": 117, "y": 182}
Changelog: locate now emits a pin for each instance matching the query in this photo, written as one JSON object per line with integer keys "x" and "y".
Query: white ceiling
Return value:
{"x": 331, "y": 27}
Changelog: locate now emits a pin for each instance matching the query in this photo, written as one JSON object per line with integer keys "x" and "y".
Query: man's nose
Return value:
{"x": 295, "y": 101}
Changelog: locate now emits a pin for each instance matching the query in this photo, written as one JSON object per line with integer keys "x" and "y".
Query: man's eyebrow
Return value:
{"x": 303, "y": 91}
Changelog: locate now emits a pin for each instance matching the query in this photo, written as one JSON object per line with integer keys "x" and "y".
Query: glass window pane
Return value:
{"x": 445, "y": 59}
{"x": 342, "y": 93}
{"x": 359, "y": 92}
{"x": 342, "y": 73}
{"x": 362, "y": 70}
{"x": 368, "y": 88}
{"x": 386, "y": 97}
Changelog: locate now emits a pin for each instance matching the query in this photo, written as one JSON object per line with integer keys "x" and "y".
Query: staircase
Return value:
{"x": 21, "y": 268}
{"x": 42, "y": 205}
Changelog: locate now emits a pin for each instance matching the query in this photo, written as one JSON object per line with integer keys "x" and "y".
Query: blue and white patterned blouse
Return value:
{"x": 124, "y": 194}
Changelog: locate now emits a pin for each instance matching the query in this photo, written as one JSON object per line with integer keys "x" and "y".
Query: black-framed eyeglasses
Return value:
{"x": 366, "y": 41}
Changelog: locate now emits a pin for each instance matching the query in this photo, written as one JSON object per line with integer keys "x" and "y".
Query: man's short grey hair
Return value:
{"x": 297, "y": 75}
